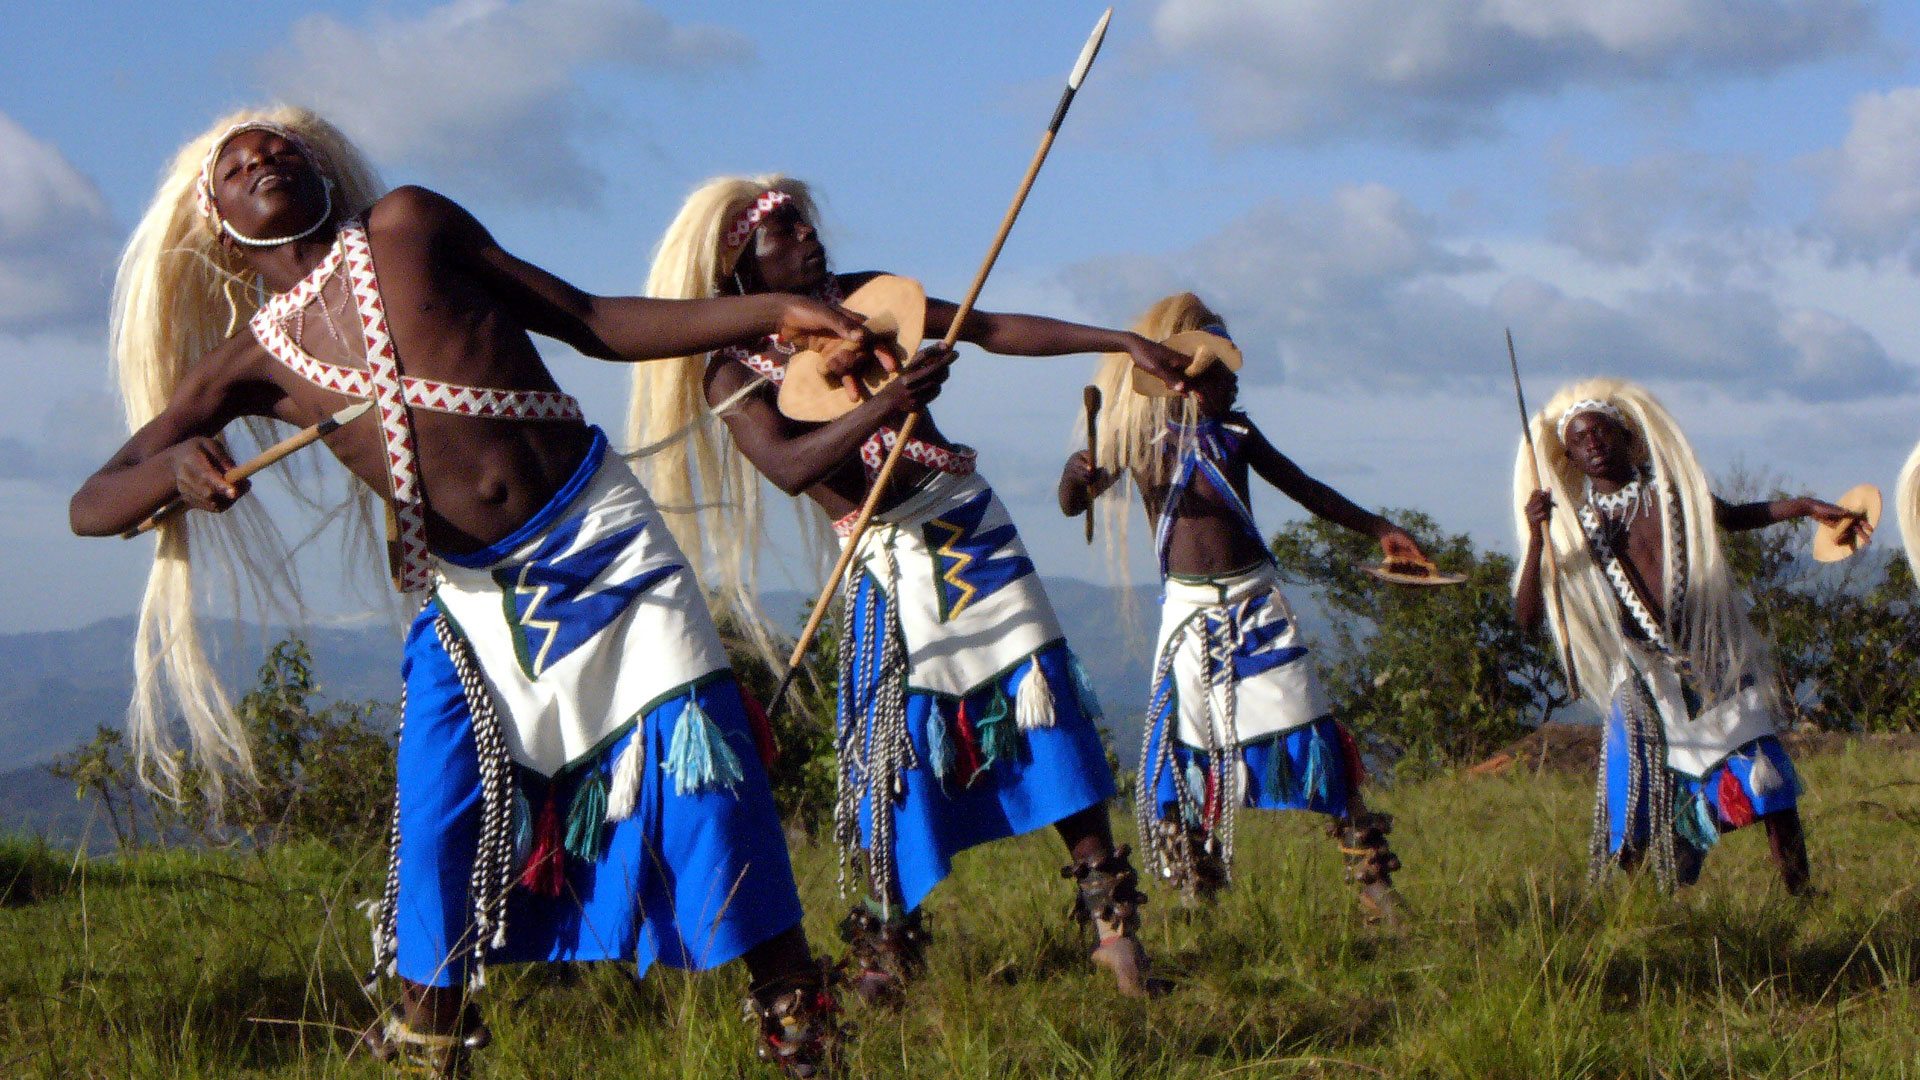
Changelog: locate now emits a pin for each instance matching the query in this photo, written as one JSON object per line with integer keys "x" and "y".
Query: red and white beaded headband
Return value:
{"x": 750, "y": 218}
{"x": 204, "y": 190}
{"x": 1587, "y": 405}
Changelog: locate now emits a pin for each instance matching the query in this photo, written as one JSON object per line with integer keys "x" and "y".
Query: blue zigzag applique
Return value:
{"x": 1257, "y": 654}
{"x": 548, "y": 603}
{"x": 963, "y": 570}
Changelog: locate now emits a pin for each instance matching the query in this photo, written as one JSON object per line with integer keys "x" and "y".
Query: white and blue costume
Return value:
{"x": 1236, "y": 716}
{"x": 578, "y": 775}
{"x": 962, "y": 716}
{"x": 1674, "y": 766}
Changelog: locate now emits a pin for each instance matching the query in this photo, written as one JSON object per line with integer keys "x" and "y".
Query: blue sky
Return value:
{"x": 1718, "y": 197}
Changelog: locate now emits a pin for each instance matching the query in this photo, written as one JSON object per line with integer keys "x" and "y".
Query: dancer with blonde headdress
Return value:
{"x": 1235, "y": 716}
{"x": 1655, "y": 622}
{"x": 962, "y": 716}
{"x": 577, "y": 775}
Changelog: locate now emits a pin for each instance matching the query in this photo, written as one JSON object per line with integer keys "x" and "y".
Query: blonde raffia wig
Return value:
{"x": 1130, "y": 426}
{"x": 1720, "y": 640}
{"x": 1906, "y": 502}
{"x": 708, "y": 490}
{"x": 179, "y": 293}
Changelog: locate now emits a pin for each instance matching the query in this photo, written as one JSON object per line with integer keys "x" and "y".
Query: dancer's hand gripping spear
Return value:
{"x": 885, "y": 476}
{"x": 1546, "y": 540}
{"x": 297, "y": 441}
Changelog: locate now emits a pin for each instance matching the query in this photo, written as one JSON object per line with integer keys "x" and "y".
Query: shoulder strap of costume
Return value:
{"x": 1202, "y": 449}
{"x": 413, "y": 566}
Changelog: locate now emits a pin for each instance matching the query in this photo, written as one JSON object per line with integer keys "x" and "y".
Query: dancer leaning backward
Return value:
{"x": 577, "y": 775}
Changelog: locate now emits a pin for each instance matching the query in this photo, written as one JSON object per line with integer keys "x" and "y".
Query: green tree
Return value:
{"x": 321, "y": 773}
{"x": 804, "y": 771}
{"x": 1844, "y": 633}
{"x": 1427, "y": 678}
{"x": 101, "y": 769}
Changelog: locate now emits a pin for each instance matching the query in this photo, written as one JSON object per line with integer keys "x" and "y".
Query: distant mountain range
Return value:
{"x": 56, "y": 687}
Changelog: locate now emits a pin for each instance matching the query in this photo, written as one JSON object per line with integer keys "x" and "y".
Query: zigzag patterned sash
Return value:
{"x": 391, "y": 391}
{"x": 1615, "y": 571}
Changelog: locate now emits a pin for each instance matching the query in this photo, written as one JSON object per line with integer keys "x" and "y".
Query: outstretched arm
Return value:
{"x": 177, "y": 452}
{"x": 1081, "y": 482}
{"x": 797, "y": 456}
{"x": 1322, "y": 501}
{"x": 1037, "y": 335}
{"x": 609, "y": 328}
{"x": 1741, "y": 517}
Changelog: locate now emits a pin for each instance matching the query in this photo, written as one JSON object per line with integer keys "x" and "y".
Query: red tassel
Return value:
{"x": 971, "y": 759}
{"x": 546, "y": 872}
{"x": 1735, "y": 808}
{"x": 763, "y": 739}
{"x": 1210, "y": 807}
{"x": 1349, "y": 749}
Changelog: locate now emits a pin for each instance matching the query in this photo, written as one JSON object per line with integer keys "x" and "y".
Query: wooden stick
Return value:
{"x": 1553, "y": 563}
{"x": 297, "y": 441}
{"x": 1091, "y": 396}
{"x": 880, "y": 483}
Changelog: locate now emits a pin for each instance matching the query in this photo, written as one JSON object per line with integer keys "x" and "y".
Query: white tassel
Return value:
{"x": 625, "y": 790}
{"x": 1245, "y": 776}
{"x": 1033, "y": 704}
{"x": 1764, "y": 779}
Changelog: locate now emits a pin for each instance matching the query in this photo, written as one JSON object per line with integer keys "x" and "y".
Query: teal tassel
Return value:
{"x": 1695, "y": 823}
{"x": 587, "y": 817}
{"x": 1083, "y": 686}
{"x": 1319, "y": 769}
{"x": 940, "y": 752}
{"x": 1197, "y": 790}
{"x": 522, "y": 828}
{"x": 999, "y": 733}
{"x": 1278, "y": 780}
{"x": 700, "y": 758}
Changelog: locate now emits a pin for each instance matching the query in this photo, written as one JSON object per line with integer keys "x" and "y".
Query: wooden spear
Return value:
{"x": 297, "y": 441}
{"x": 1553, "y": 563}
{"x": 885, "y": 477}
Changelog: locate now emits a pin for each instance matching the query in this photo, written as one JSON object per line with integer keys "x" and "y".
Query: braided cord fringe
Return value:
{"x": 1160, "y": 856}
{"x": 875, "y": 751}
{"x": 492, "y": 873}
{"x": 386, "y": 920}
{"x": 1650, "y": 792}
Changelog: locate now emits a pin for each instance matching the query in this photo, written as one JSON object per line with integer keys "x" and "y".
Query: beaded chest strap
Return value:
{"x": 392, "y": 392}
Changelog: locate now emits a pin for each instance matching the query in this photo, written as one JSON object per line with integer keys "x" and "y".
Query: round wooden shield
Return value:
{"x": 1831, "y": 543}
{"x": 895, "y": 310}
{"x": 1205, "y": 348}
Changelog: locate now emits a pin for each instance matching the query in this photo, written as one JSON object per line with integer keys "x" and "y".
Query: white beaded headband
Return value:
{"x": 1587, "y": 405}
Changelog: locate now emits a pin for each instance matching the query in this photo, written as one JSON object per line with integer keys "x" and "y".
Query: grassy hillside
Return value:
{"x": 206, "y": 965}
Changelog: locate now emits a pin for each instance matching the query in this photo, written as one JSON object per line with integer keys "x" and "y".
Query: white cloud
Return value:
{"x": 488, "y": 91}
{"x": 1615, "y": 213}
{"x": 1436, "y": 71}
{"x": 1873, "y": 207}
{"x": 1362, "y": 291}
{"x": 56, "y": 237}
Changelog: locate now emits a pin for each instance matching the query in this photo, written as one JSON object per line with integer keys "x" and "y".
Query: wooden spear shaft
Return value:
{"x": 880, "y": 482}
{"x": 1553, "y": 563}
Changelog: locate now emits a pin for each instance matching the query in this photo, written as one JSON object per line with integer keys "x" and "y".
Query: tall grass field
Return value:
{"x": 234, "y": 964}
